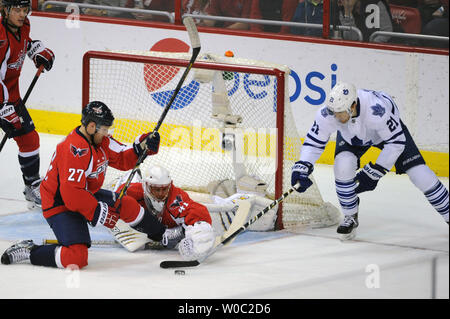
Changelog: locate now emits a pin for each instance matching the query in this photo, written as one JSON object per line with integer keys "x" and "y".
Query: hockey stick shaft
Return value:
{"x": 174, "y": 264}
{"x": 22, "y": 103}
{"x": 195, "y": 43}
{"x": 93, "y": 242}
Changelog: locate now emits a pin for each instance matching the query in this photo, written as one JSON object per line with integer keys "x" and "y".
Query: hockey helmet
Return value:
{"x": 98, "y": 113}
{"x": 156, "y": 185}
{"x": 342, "y": 97}
{"x": 16, "y": 3}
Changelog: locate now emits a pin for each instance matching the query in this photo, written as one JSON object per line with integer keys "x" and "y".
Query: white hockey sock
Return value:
{"x": 438, "y": 198}
{"x": 347, "y": 196}
{"x": 435, "y": 192}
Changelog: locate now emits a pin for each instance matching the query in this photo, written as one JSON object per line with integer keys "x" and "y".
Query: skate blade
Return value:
{"x": 349, "y": 236}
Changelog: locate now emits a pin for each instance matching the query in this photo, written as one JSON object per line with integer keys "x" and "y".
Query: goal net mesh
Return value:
{"x": 138, "y": 85}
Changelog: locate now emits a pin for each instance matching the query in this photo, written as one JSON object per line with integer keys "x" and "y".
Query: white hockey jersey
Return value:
{"x": 377, "y": 122}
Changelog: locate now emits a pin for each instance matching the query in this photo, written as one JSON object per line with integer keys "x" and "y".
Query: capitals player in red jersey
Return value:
{"x": 15, "y": 43}
{"x": 71, "y": 191}
{"x": 188, "y": 222}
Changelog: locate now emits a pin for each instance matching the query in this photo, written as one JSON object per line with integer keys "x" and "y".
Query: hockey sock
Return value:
{"x": 438, "y": 198}
{"x": 347, "y": 196}
{"x": 30, "y": 168}
{"x": 73, "y": 255}
{"x": 43, "y": 256}
{"x": 435, "y": 192}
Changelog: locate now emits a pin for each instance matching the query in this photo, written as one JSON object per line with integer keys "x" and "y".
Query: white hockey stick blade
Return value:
{"x": 238, "y": 221}
{"x": 192, "y": 32}
{"x": 194, "y": 263}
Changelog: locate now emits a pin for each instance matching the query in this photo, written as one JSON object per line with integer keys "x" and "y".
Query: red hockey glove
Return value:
{"x": 105, "y": 215}
{"x": 8, "y": 113}
{"x": 40, "y": 54}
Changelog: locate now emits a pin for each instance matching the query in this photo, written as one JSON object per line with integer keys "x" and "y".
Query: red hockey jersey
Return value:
{"x": 179, "y": 208}
{"x": 77, "y": 171}
{"x": 13, "y": 49}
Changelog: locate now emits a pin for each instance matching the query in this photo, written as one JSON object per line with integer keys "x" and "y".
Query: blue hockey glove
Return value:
{"x": 367, "y": 178}
{"x": 300, "y": 173}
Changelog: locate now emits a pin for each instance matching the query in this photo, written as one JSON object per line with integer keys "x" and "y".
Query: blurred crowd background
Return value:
{"x": 405, "y": 22}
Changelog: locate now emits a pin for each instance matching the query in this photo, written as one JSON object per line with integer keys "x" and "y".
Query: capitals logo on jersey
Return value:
{"x": 18, "y": 64}
{"x": 179, "y": 205}
{"x": 80, "y": 152}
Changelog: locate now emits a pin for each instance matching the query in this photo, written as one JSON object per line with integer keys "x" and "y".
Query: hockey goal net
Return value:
{"x": 231, "y": 118}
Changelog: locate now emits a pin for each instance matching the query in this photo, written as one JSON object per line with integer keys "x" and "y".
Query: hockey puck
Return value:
{"x": 180, "y": 272}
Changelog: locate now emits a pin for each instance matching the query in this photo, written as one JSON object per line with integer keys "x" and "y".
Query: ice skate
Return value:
{"x": 32, "y": 194}
{"x": 348, "y": 227}
{"x": 18, "y": 253}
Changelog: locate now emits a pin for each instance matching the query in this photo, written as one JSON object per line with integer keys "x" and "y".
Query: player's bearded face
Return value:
{"x": 101, "y": 132}
{"x": 17, "y": 15}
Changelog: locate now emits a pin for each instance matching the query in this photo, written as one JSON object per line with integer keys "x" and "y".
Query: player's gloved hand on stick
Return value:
{"x": 40, "y": 54}
{"x": 9, "y": 115}
{"x": 300, "y": 173}
{"x": 147, "y": 143}
{"x": 367, "y": 178}
{"x": 105, "y": 215}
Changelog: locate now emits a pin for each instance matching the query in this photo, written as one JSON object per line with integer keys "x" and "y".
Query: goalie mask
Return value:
{"x": 156, "y": 184}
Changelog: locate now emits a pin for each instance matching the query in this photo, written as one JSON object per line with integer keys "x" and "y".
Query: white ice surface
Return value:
{"x": 399, "y": 235}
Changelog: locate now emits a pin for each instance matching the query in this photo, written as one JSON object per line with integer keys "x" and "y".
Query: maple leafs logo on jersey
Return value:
{"x": 78, "y": 151}
{"x": 378, "y": 110}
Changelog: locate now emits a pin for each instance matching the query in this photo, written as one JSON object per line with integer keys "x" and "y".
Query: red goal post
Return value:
{"x": 143, "y": 80}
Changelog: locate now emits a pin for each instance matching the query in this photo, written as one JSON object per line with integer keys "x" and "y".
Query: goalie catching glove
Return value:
{"x": 199, "y": 239}
{"x": 300, "y": 173}
{"x": 367, "y": 178}
{"x": 105, "y": 215}
{"x": 147, "y": 142}
{"x": 40, "y": 54}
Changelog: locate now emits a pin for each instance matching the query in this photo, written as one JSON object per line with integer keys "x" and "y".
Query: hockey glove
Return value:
{"x": 40, "y": 54}
{"x": 367, "y": 178}
{"x": 300, "y": 173}
{"x": 9, "y": 115}
{"x": 105, "y": 215}
{"x": 147, "y": 143}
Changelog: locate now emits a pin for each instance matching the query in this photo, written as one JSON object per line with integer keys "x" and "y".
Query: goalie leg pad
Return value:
{"x": 199, "y": 239}
{"x": 128, "y": 237}
{"x": 251, "y": 185}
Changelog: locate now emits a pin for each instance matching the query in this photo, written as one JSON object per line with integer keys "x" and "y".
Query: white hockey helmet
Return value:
{"x": 156, "y": 184}
{"x": 342, "y": 96}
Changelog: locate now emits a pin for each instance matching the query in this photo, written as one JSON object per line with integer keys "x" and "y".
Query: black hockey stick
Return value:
{"x": 193, "y": 263}
{"x": 22, "y": 103}
{"x": 195, "y": 44}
